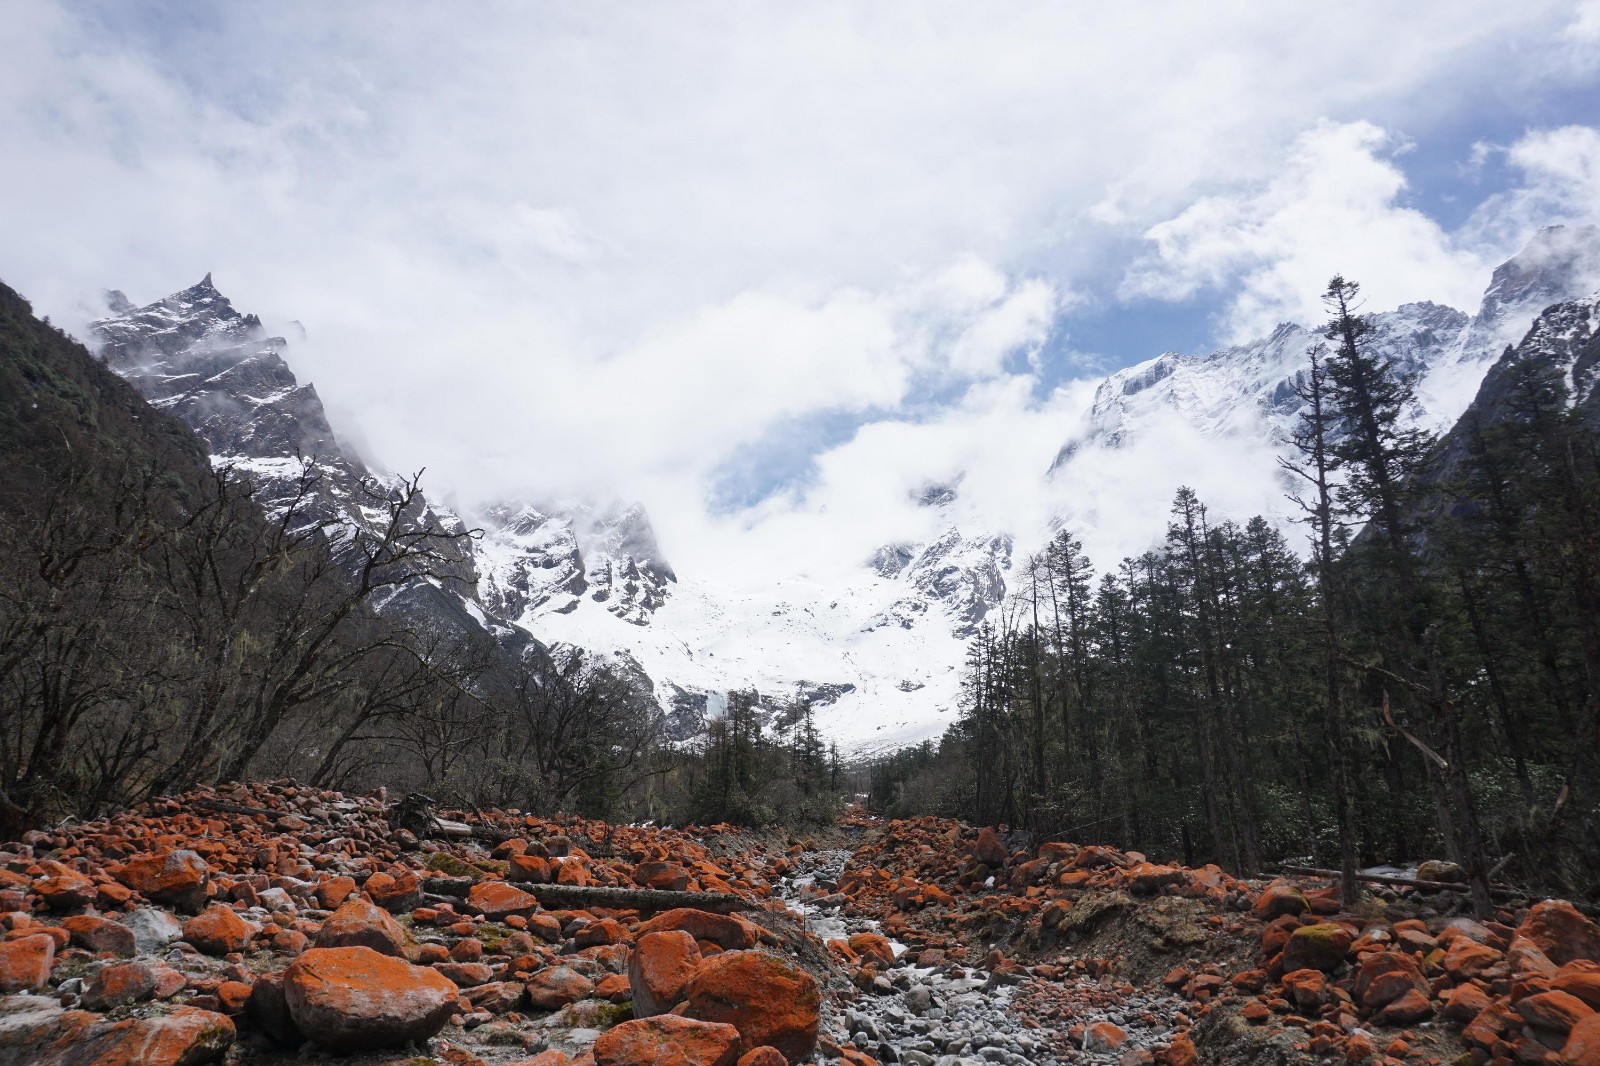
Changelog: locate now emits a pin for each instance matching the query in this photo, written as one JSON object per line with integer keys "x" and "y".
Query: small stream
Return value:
{"x": 926, "y": 1016}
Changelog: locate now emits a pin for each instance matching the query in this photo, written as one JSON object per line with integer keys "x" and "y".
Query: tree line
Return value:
{"x": 1423, "y": 681}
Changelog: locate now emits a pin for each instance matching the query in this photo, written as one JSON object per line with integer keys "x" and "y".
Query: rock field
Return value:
{"x": 275, "y": 924}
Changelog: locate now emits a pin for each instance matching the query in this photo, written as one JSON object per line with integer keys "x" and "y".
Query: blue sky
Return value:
{"x": 775, "y": 260}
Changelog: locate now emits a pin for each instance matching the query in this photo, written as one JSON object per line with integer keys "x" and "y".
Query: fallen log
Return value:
{"x": 233, "y": 808}
{"x": 1403, "y": 882}
{"x": 576, "y": 897}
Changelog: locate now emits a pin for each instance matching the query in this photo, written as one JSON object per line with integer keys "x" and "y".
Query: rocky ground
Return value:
{"x": 273, "y": 924}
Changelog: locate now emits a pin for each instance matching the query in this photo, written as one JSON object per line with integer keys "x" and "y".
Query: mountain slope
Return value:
{"x": 878, "y": 650}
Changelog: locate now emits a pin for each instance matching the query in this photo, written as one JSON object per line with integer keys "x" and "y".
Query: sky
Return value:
{"x": 773, "y": 268}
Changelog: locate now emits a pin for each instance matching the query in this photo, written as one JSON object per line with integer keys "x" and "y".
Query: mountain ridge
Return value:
{"x": 878, "y": 651}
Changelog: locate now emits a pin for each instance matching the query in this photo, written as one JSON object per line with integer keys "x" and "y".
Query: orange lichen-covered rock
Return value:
{"x": 1466, "y": 958}
{"x": 668, "y": 1040}
{"x": 668, "y": 876}
{"x": 354, "y": 999}
{"x": 1583, "y": 1043}
{"x": 63, "y": 888}
{"x": 100, "y": 935}
{"x": 25, "y": 962}
{"x": 358, "y": 923}
{"x": 335, "y": 890}
{"x": 1278, "y": 899}
{"x": 1385, "y": 976}
{"x": 497, "y": 899}
{"x": 988, "y": 849}
{"x": 1464, "y": 1003}
{"x": 763, "y": 1056}
{"x": 1104, "y": 1036}
{"x": 176, "y": 878}
{"x": 725, "y": 931}
{"x": 1557, "y": 1012}
{"x": 872, "y": 946}
{"x": 119, "y": 983}
{"x": 185, "y": 1037}
{"x": 1307, "y": 987}
{"x": 597, "y": 934}
{"x": 1581, "y": 979}
{"x": 660, "y": 969}
{"x": 1410, "y": 1007}
{"x": 218, "y": 930}
{"x": 1559, "y": 930}
{"x": 528, "y": 869}
{"x": 397, "y": 893}
{"x": 766, "y": 998}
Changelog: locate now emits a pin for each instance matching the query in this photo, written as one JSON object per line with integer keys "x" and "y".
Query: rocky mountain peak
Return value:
{"x": 1558, "y": 263}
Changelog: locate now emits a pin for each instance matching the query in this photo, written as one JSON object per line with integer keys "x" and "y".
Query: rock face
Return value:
{"x": 769, "y": 1001}
{"x": 194, "y": 355}
{"x": 354, "y": 999}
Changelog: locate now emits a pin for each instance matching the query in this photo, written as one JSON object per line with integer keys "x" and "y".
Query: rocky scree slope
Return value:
{"x": 277, "y": 924}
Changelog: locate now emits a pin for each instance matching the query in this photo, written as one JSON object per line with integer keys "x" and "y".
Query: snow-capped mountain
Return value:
{"x": 537, "y": 561}
{"x": 1248, "y": 390}
{"x": 195, "y": 355}
{"x": 878, "y": 651}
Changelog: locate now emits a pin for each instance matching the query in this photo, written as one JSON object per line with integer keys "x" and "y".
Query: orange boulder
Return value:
{"x": 668, "y": 1040}
{"x": 100, "y": 935}
{"x": 668, "y": 876}
{"x": 725, "y": 931}
{"x": 354, "y": 999}
{"x": 176, "y": 878}
{"x": 497, "y": 899}
{"x": 358, "y": 923}
{"x": 218, "y": 930}
{"x": 555, "y": 986}
{"x": 185, "y": 1037}
{"x": 766, "y": 998}
{"x": 25, "y": 962}
{"x": 660, "y": 969}
{"x": 1563, "y": 933}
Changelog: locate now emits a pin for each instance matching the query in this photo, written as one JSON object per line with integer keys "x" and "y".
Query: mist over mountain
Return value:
{"x": 878, "y": 650}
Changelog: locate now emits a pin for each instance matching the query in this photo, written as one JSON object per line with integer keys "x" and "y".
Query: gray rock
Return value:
{"x": 153, "y": 929}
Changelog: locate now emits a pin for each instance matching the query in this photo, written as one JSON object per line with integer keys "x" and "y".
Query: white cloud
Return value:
{"x": 1334, "y": 206}
{"x": 543, "y": 246}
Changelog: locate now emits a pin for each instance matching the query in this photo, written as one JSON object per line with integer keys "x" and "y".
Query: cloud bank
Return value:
{"x": 546, "y": 249}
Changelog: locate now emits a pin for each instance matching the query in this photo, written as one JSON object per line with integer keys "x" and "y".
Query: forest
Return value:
{"x": 1417, "y": 682}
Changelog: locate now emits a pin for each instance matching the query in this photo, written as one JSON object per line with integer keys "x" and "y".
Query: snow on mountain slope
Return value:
{"x": 537, "y": 560}
{"x": 196, "y": 356}
{"x": 1249, "y": 388}
{"x": 878, "y": 650}
{"x": 1236, "y": 406}
{"x": 875, "y": 687}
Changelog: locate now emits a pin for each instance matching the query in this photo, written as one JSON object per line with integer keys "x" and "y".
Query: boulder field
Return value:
{"x": 278, "y": 924}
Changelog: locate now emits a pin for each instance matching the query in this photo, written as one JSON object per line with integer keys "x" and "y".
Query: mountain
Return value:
{"x": 878, "y": 651}
{"x": 194, "y": 356}
{"x": 1248, "y": 390}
